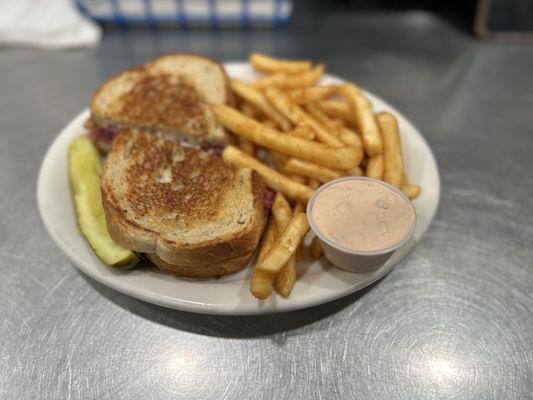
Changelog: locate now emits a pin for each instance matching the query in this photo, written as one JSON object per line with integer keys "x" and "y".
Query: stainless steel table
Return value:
{"x": 454, "y": 320}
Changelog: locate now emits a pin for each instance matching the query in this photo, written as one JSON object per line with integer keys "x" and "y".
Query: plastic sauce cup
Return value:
{"x": 356, "y": 260}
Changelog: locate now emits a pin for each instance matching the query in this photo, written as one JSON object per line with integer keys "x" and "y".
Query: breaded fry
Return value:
{"x": 392, "y": 149}
{"x": 261, "y": 282}
{"x": 281, "y": 210}
{"x": 286, "y": 245}
{"x": 357, "y": 171}
{"x": 297, "y": 178}
{"x": 311, "y": 94}
{"x": 350, "y": 138}
{"x": 273, "y": 179}
{"x": 375, "y": 168}
{"x": 268, "y": 64}
{"x": 248, "y": 110}
{"x": 298, "y": 208}
{"x": 295, "y": 114}
{"x": 322, "y": 118}
{"x": 366, "y": 122}
{"x": 286, "y": 81}
{"x": 340, "y": 158}
{"x": 311, "y": 170}
{"x": 313, "y": 184}
{"x": 338, "y": 109}
{"x": 286, "y": 277}
{"x": 411, "y": 191}
{"x": 303, "y": 132}
{"x": 314, "y": 249}
{"x": 258, "y": 100}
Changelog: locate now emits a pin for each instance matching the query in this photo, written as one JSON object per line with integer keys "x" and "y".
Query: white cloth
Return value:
{"x": 50, "y": 24}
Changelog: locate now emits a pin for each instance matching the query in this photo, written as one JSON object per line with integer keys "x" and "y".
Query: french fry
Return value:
{"x": 314, "y": 248}
{"x": 286, "y": 278}
{"x": 338, "y": 121}
{"x": 322, "y": 118}
{"x": 246, "y": 145}
{"x": 285, "y": 247}
{"x": 299, "y": 208}
{"x": 261, "y": 282}
{"x": 297, "y": 178}
{"x": 295, "y": 114}
{"x": 311, "y": 170}
{"x": 269, "y": 123}
{"x": 375, "y": 167}
{"x": 273, "y": 179}
{"x": 338, "y": 109}
{"x": 405, "y": 181}
{"x": 281, "y": 210}
{"x": 340, "y": 158}
{"x": 275, "y": 79}
{"x": 267, "y": 64}
{"x": 357, "y": 171}
{"x": 258, "y": 100}
{"x": 248, "y": 110}
{"x": 392, "y": 149}
{"x": 311, "y": 94}
{"x": 269, "y": 237}
{"x": 350, "y": 138}
{"x": 366, "y": 122}
{"x": 314, "y": 183}
{"x": 303, "y": 132}
{"x": 285, "y": 81}
{"x": 411, "y": 191}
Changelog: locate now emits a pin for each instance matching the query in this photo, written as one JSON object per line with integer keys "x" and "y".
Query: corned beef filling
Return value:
{"x": 268, "y": 200}
{"x": 103, "y": 137}
{"x": 216, "y": 149}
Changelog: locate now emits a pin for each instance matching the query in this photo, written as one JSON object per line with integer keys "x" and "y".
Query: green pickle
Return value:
{"x": 85, "y": 168}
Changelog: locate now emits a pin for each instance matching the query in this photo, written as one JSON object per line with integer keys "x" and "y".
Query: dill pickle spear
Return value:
{"x": 85, "y": 168}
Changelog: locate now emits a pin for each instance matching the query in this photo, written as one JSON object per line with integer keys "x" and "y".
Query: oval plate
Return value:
{"x": 318, "y": 282}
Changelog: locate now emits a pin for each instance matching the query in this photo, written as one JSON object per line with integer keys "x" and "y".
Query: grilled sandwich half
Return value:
{"x": 169, "y": 97}
{"x": 193, "y": 214}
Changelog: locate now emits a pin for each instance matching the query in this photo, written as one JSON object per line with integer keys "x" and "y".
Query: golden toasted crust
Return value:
{"x": 228, "y": 97}
{"x": 166, "y": 98}
{"x": 162, "y": 102}
{"x": 162, "y": 178}
{"x": 154, "y": 206}
{"x": 203, "y": 271}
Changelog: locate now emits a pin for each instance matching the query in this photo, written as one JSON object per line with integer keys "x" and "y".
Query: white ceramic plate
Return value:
{"x": 318, "y": 282}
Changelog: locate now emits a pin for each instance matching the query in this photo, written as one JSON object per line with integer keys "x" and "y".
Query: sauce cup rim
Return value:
{"x": 352, "y": 251}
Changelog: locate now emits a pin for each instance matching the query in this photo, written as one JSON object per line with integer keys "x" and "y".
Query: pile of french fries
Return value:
{"x": 311, "y": 134}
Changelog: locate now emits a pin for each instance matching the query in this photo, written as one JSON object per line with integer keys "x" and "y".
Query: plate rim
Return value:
{"x": 211, "y": 308}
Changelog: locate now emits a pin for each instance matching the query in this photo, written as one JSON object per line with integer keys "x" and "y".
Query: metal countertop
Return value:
{"x": 454, "y": 320}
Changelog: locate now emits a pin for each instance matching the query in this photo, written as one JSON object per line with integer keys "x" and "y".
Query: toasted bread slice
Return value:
{"x": 203, "y": 271}
{"x": 169, "y": 96}
{"x": 209, "y": 76}
{"x": 190, "y": 208}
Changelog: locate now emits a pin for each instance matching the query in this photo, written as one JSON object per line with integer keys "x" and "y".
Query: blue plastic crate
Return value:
{"x": 189, "y": 12}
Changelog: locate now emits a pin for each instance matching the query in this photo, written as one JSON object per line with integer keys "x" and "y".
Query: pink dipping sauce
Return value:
{"x": 362, "y": 215}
